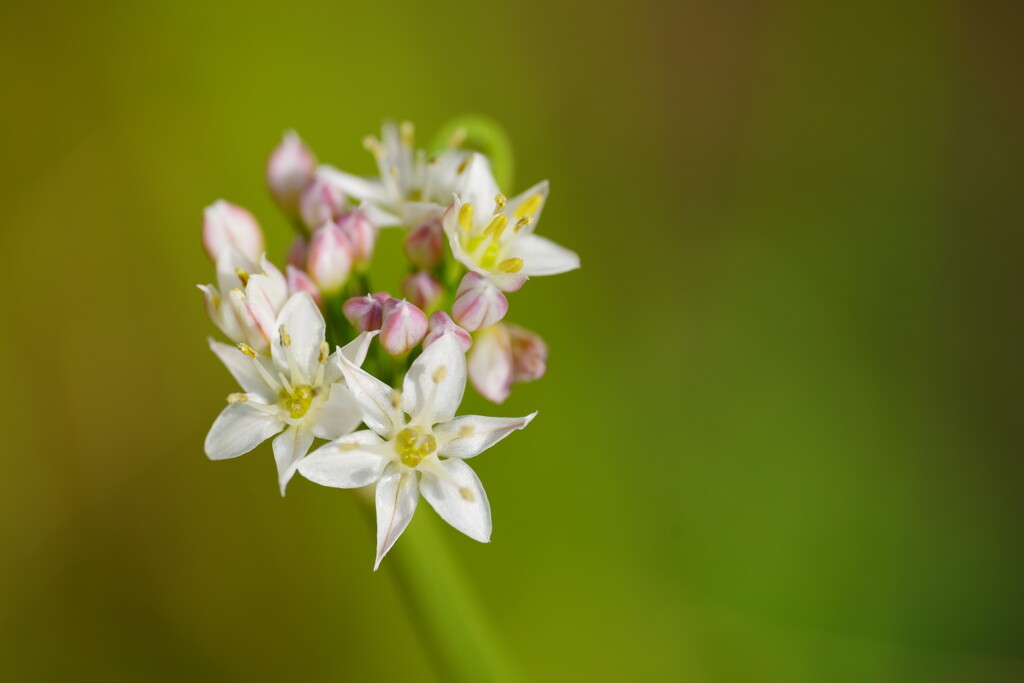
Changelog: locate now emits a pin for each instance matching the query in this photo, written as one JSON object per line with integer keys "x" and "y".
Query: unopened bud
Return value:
{"x": 298, "y": 253}
{"x": 290, "y": 169}
{"x": 226, "y": 224}
{"x": 490, "y": 363}
{"x": 321, "y": 202}
{"x": 361, "y": 233}
{"x": 403, "y": 327}
{"x": 424, "y": 246}
{"x": 299, "y": 281}
{"x": 478, "y": 303}
{"x": 423, "y": 290}
{"x": 529, "y": 354}
{"x": 366, "y": 313}
{"x": 330, "y": 258}
{"x": 440, "y": 324}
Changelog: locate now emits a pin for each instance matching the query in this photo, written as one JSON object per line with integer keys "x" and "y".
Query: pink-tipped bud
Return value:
{"x": 423, "y": 290}
{"x": 298, "y": 253}
{"x": 321, "y": 202}
{"x": 404, "y": 326}
{"x": 366, "y": 313}
{"x": 361, "y": 233}
{"x": 330, "y": 258}
{"x": 425, "y": 245}
{"x": 490, "y": 363}
{"x": 226, "y": 224}
{"x": 442, "y": 324}
{"x": 529, "y": 354}
{"x": 478, "y": 303}
{"x": 299, "y": 281}
{"x": 290, "y": 169}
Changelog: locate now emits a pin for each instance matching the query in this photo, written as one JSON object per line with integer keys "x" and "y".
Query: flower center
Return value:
{"x": 413, "y": 445}
{"x": 298, "y": 400}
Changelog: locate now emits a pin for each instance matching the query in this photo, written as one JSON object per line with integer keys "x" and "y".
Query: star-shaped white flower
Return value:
{"x": 297, "y": 394}
{"x": 493, "y": 236}
{"x": 423, "y": 453}
{"x": 247, "y": 298}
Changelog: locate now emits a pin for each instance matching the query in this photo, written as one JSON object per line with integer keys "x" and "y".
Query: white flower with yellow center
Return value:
{"x": 415, "y": 445}
{"x": 297, "y": 394}
{"x": 493, "y": 236}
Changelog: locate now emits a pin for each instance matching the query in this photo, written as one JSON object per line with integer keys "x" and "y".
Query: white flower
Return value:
{"x": 423, "y": 454}
{"x": 298, "y": 393}
{"x": 411, "y": 189}
{"x": 247, "y": 298}
{"x": 493, "y": 237}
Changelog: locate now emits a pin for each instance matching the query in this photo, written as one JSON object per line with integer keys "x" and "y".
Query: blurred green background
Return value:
{"x": 781, "y": 434}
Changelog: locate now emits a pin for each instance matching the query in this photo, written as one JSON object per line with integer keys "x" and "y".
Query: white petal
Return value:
{"x": 338, "y": 415}
{"x": 230, "y": 262}
{"x": 289, "y": 448}
{"x": 358, "y": 188}
{"x": 542, "y": 256}
{"x": 470, "y": 435}
{"x": 514, "y": 203}
{"x": 215, "y": 309}
{"x": 397, "y": 495}
{"x": 305, "y": 327}
{"x": 243, "y": 369}
{"x": 378, "y": 217}
{"x": 450, "y": 223}
{"x": 477, "y": 186}
{"x": 374, "y": 397}
{"x": 238, "y": 429}
{"x": 357, "y": 349}
{"x": 455, "y": 492}
{"x": 433, "y": 387}
{"x": 263, "y": 300}
{"x": 491, "y": 367}
{"x": 347, "y": 463}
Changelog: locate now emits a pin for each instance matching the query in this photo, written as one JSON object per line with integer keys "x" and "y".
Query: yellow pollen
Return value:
{"x": 247, "y": 350}
{"x": 466, "y": 494}
{"x": 286, "y": 339}
{"x": 522, "y": 223}
{"x": 325, "y": 352}
{"x": 457, "y": 138}
{"x": 243, "y": 276}
{"x": 237, "y": 398}
{"x": 466, "y": 217}
{"x": 298, "y": 400}
{"x": 511, "y": 265}
{"x": 529, "y": 206}
{"x": 440, "y": 374}
{"x": 466, "y": 431}
{"x": 408, "y": 133}
{"x": 464, "y": 165}
{"x": 413, "y": 445}
{"x": 372, "y": 145}
{"x": 497, "y": 227}
{"x": 499, "y": 203}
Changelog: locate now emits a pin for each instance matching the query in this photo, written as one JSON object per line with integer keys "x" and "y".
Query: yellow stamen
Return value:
{"x": 286, "y": 339}
{"x": 522, "y": 223}
{"x": 413, "y": 445}
{"x": 466, "y": 216}
{"x": 529, "y": 206}
{"x": 243, "y": 276}
{"x": 325, "y": 352}
{"x": 464, "y": 165}
{"x": 408, "y": 133}
{"x": 497, "y": 227}
{"x": 247, "y": 350}
{"x": 237, "y": 398}
{"x": 499, "y": 203}
{"x": 372, "y": 145}
{"x": 511, "y": 265}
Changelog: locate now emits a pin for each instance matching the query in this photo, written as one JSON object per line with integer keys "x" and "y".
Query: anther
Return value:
{"x": 396, "y": 399}
{"x": 530, "y": 205}
{"x": 408, "y": 133}
{"x": 325, "y": 352}
{"x": 243, "y": 276}
{"x": 464, "y": 165}
{"x": 522, "y": 223}
{"x": 496, "y": 227}
{"x": 372, "y": 145}
{"x": 237, "y": 398}
{"x": 247, "y": 350}
{"x": 466, "y": 216}
{"x": 511, "y": 265}
{"x": 499, "y": 203}
{"x": 286, "y": 339}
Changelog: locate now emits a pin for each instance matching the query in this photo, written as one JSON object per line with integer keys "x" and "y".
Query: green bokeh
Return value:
{"x": 781, "y": 435}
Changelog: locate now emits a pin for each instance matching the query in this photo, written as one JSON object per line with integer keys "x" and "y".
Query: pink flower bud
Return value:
{"x": 422, "y": 290}
{"x": 490, "y": 363}
{"x": 529, "y": 354}
{"x": 424, "y": 246}
{"x": 290, "y": 169}
{"x": 321, "y": 202}
{"x": 330, "y": 258}
{"x": 478, "y": 303}
{"x": 298, "y": 252}
{"x": 226, "y": 224}
{"x": 404, "y": 326}
{"x": 361, "y": 233}
{"x": 366, "y": 313}
{"x": 441, "y": 324}
{"x": 299, "y": 281}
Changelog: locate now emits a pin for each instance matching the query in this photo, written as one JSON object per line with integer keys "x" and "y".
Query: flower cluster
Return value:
{"x": 467, "y": 248}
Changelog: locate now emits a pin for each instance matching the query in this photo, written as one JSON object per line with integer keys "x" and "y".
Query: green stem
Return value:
{"x": 458, "y": 638}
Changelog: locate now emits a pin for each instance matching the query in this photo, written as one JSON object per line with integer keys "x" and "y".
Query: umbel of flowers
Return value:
{"x": 375, "y": 379}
